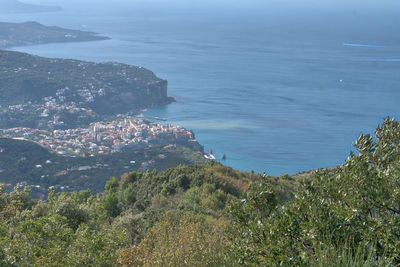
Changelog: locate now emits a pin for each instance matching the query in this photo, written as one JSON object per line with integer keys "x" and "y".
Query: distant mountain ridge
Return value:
{"x": 15, "y": 6}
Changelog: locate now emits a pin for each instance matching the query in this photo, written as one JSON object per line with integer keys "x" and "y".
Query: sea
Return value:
{"x": 276, "y": 86}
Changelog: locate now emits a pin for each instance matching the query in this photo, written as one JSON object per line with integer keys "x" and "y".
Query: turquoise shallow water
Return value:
{"x": 276, "y": 90}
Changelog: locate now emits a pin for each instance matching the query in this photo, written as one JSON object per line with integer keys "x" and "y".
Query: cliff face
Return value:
{"x": 153, "y": 94}
{"x": 158, "y": 92}
{"x": 89, "y": 91}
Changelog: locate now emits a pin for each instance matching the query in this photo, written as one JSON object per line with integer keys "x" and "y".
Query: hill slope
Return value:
{"x": 81, "y": 92}
{"x": 27, "y": 162}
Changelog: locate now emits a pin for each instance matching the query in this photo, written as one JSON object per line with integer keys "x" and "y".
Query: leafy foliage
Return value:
{"x": 211, "y": 215}
{"x": 356, "y": 204}
{"x": 65, "y": 231}
{"x": 80, "y": 229}
{"x": 187, "y": 241}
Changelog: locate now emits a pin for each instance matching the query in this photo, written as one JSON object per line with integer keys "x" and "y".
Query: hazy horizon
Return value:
{"x": 312, "y": 4}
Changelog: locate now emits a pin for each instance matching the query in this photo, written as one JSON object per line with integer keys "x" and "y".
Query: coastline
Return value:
{"x": 33, "y": 33}
{"x": 129, "y": 138}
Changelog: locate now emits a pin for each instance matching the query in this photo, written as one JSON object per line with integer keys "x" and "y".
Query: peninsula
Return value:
{"x": 32, "y": 33}
{"x": 46, "y": 93}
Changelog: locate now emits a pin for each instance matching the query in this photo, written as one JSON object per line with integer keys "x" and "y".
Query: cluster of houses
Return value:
{"x": 50, "y": 110}
{"x": 104, "y": 137}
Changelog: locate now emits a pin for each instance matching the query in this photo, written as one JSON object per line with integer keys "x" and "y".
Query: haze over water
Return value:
{"x": 277, "y": 88}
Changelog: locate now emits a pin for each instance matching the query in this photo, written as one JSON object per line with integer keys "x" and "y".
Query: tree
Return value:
{"x": 352, "y": 206}
{"x": 110, "y": 204}
{"x": 188, "y": 241}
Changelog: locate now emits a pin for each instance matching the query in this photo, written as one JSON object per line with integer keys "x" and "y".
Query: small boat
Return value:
{"x": 209, "y": 156}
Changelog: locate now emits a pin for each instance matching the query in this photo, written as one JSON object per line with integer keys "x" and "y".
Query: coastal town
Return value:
{"x": 125, "y": 133}
{"x": 89, "y": 116}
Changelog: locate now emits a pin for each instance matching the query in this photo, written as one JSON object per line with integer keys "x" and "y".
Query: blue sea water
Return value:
{"x": 275, "y": 88}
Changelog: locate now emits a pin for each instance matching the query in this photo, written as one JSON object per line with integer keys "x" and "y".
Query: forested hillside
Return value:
{"x": 34, "y": 166}
{"x": 211, "y": 215}
{"x": 98, "y": 230}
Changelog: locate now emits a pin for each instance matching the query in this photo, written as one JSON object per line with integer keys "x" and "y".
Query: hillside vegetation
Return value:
{"x": 30, "y": 164}
{"x": 98, "y": 230}
{"x": 211, "y": 215}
